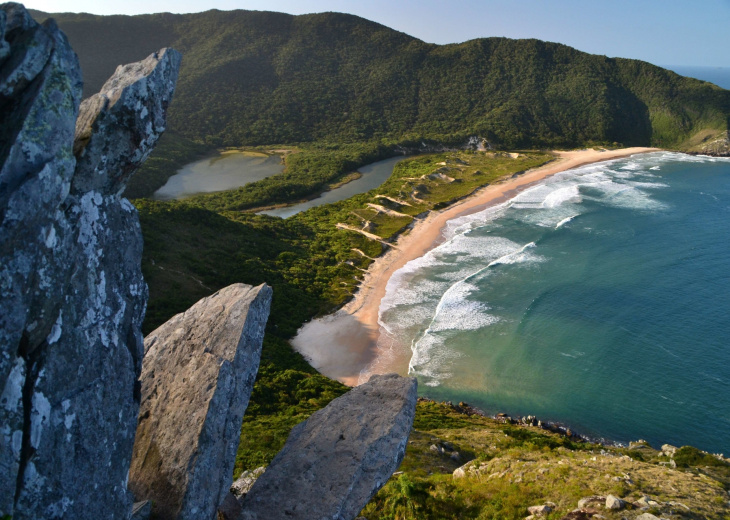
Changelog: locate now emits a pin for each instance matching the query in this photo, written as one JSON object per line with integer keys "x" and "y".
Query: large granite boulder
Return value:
{"x": 335, "y": 461}
{"x": 198, "y": 372}
{"x": 72, "y": 292}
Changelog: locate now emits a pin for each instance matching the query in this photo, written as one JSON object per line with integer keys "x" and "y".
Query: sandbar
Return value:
{"x": 342, "y": 344}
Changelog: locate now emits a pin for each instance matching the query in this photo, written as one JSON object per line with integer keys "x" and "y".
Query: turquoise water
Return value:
{"x": 599, "y": 298}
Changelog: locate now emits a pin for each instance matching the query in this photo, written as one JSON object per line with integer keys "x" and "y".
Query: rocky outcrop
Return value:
{"x": 198, "y": 372}
{"x": 541, "y": 510}
{"x": 718, "y": 146}
{"x": 335, "y": 461}
{"x": 118, "y": 127}
{"x": 71, "y": 287}
{"x": 669, "y": 451}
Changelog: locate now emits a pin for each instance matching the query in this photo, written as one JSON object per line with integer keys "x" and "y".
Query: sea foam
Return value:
{"x": 431, "y": 297}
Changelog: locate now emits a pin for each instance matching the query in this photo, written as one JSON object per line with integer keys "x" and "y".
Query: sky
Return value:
{"x": 663, "y": 32}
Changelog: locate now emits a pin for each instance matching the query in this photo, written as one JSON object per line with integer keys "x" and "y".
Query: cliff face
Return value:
{"x": 72, "y": 291}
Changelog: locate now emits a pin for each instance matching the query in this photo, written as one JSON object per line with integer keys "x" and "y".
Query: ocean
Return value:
{"x": 599, "y": 298}
{"x": 720, "y": 76}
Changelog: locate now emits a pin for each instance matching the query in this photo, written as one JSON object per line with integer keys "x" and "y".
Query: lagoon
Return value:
{"x": 226, "y": 171}
{"x": 373, "y": 175}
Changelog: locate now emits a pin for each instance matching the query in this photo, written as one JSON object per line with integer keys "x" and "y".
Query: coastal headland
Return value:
{"x": 344, "y": 344}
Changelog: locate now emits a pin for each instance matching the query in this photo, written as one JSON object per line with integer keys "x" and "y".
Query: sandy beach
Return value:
{"x": 343, "y": 344}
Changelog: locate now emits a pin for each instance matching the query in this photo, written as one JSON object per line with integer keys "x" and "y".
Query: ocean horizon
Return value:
{"x": 720, "y": 76}
{"x": 597, "y": 299}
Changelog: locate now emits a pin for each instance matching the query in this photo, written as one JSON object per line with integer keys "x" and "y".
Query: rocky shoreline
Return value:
{"x": 557, "y": 428}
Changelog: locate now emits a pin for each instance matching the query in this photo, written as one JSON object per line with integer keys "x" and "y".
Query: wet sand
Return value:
{"x": 341, "y": 345}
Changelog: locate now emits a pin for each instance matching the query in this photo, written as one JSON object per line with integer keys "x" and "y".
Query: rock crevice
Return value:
{"x": 70, "y": 280}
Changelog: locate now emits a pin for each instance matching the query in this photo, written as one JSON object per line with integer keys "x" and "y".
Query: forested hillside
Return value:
{"x": 261, "y": 78}
{"x": 341, "y": 92}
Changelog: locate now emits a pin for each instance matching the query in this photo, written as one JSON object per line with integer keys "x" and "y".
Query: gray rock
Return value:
{"x": 463, "y": 471}
{"x": 646, "y": 516}
{"x": 335, "y": 461}
{"x": 71, "y": 288}
{"x": 123, "y": 106}
{"x": 646, "y": 502}
{"x": 668, "y": 450}
{"x": 243, "y": 484}
{"x": 35, "y": 170}
{"x": 198, "y": 372}
{"x": 540, "y": 510}
{"x": 614, "y": 503}
{"x": 438, "y": 450}
{"x": 591, "y": 500}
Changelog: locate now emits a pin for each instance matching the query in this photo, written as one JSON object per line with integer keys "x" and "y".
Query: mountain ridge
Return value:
{"x": 259, "y": 77}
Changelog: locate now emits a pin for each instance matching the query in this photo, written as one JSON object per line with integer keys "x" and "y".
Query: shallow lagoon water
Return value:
{"x": 599, "y": 298}
{"x": 226, "y": 171}
{"x": 373, "y": 175}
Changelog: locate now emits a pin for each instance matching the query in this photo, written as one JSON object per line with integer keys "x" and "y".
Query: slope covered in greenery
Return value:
{"x": 513, "y": 467}
{"x": 348, "y": 91}
{"x": 312, "y": 264}
{"x": 260, "y": 78}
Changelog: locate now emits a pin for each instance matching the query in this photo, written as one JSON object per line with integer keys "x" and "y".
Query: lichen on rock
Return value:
{"x": 72, "y": 291}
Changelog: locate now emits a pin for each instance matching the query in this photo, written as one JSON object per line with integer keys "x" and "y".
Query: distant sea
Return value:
{"x": 599, "y": 299}
{"x": 720, "y": 76}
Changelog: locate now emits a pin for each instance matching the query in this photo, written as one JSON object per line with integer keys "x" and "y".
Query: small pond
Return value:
{"x": 226, "y": 171}
{"x": 373, "y": 175}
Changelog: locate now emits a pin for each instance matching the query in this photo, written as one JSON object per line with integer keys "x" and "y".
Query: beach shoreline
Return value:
{"x": 341, "y": 345}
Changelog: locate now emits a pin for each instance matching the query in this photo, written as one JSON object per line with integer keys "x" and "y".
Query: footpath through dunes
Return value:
{"x": 342, "y": 345}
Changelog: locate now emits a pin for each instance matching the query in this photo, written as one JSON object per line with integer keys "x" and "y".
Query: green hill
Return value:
{"x": 253, "y": 78}
{"x": 346, "y": 90}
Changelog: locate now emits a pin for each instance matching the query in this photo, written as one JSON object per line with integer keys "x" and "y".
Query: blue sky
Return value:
{"x": 666, "y": 32}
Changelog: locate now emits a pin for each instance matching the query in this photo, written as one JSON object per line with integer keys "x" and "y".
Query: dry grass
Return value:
{"x": 513, "y": 467}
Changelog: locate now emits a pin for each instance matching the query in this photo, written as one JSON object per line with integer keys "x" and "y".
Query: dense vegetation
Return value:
{"x": 312, "y": 265}
{"x": 252, "y": 78}
{"x": 258, "y": 78}
{"x": 342, "y": 92}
